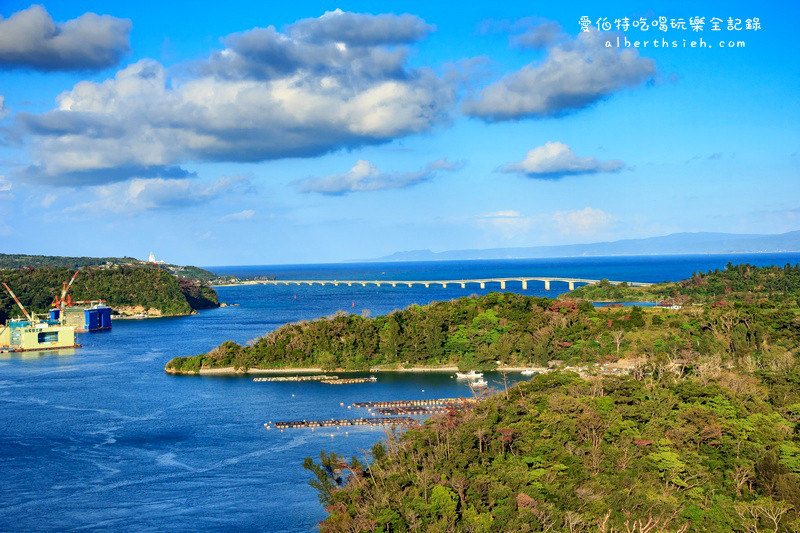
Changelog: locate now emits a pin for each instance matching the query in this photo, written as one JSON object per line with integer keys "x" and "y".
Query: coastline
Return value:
{"x": 231, "y": 371}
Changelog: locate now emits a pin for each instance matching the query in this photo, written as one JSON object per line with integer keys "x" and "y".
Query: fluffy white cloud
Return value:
{"x": 340, "y": 80}
{"x": 139, "y": 194}
{"x": 554, "y": 160}
{"x": 584, "y": 222}
{"x": 246, "y": 214}
{"x": 31, "y": 39}
{"x": 575, "y": 74}
{"x": 364, "y": 176}
{"x": 3, "y": 109}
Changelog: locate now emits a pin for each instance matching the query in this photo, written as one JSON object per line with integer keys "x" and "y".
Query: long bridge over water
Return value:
{"x": 571, "y": 282}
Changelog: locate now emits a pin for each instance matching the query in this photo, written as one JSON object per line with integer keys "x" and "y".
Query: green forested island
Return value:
{"x": 127, "y": 289}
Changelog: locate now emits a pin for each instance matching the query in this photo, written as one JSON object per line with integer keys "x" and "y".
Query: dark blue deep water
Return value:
{"x": 101, "y": 438}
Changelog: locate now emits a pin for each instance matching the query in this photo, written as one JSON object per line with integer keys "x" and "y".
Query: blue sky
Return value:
{"x": 256, "y": 133}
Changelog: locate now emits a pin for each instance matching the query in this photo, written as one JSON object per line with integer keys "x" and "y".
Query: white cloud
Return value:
{"x": 139, "y": 195}
{"x": 584, "y": 222}
{"x": 554, "y": 160}
{"x": 364, "y": 176}
{"x": 4, "y": 111}
{"x": 5, "y": 186}
{"x": 246, "y": 214}
{"x": 537, "y": 34}
{"x": 49, "y": 199}
{"x": 574, "y": 75}
{"x": 340, "y": 80}
{"x": 508, "y": 223}
{"x": 31, "y": 39}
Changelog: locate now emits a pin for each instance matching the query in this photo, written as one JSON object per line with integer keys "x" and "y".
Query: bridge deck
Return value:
{"x": 571, "y": 282}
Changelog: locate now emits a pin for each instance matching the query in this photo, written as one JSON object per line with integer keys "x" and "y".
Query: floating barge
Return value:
{"x": 350, "y": 381}
{"x": 296, "y": 378}
{"x": 30, "y": 335}
{"x": 342, "y": 422}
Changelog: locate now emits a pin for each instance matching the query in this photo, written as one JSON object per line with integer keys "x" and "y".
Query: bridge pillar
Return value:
{"x": 463, "y": 285}
{"x": 547, "y": 284}
{"x": 363, "y": 284}
{"x": 483, "y": 285}
{"x": 378, "y": 283}
{"x": 571, "y": 285}
{"x": 502, "y": 284}
{"x": 444, "y": 285}
{"x": 427, "y": 285}
{"x": 409, "y": 285}
{"x": 524, "y": 284}
{"x": 394, "y": 284}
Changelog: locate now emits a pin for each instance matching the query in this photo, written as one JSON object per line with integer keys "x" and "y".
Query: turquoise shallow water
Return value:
{"x": 102, "y": 438}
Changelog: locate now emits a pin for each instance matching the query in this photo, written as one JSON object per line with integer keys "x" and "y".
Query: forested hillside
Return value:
{"x": 747, "y": 280}
{"x": 8, "y": 261}
{"x": 714, "y": 453}
{"x": 14, "y": 261}
{"x": 122, "y": 287}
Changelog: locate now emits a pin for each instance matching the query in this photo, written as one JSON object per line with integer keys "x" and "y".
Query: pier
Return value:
{"x": 444, "y": 283}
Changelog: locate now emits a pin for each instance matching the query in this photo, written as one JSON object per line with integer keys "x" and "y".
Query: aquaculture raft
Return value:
{"x": 321, "y": 377}
{"x": 417, "y": 403}
{"x": 379, "y": 421}
{"x": 350, "y": 381}
{"x": 393, "y": 411}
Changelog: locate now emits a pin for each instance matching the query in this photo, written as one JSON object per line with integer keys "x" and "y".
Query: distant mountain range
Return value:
{"x": 676, "y": 243}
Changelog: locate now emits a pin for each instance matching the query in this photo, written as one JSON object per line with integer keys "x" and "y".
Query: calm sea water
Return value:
{"x": 101, "y": 438}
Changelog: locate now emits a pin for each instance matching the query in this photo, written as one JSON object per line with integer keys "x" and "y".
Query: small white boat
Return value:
{"x": 480, "y": 383}
{"x": 528, "y": 372}
{"x": 469, "y": 375}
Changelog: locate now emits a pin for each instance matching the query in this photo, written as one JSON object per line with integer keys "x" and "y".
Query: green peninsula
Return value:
{"x": 127, "y": 289}
{"x": 730, "y": 313}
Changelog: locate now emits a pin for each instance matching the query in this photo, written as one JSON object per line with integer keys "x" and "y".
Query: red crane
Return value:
{"x": 14, "y": 296}
{"x": 64, "y": 298}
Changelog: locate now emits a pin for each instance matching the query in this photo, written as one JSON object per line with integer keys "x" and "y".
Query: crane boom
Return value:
{"x": 64, "y": 290}
{"x": 14, "y": 296}
{"x": 67, "y": 286}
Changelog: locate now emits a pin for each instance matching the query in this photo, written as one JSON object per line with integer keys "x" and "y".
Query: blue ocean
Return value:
{"x": 100, "y": 438}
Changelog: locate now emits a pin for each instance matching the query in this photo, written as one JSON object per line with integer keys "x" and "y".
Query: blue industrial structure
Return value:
{"x": 95, "y": 318}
